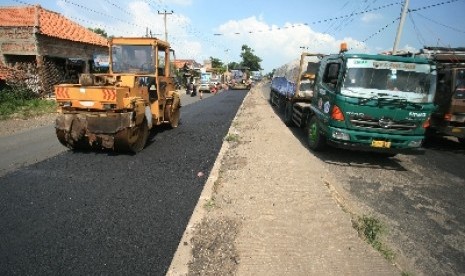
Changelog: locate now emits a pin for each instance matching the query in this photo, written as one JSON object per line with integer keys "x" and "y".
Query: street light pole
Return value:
{"x": 165, "y": 13}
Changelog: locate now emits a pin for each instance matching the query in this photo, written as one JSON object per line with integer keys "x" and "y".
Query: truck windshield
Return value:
{"x": 132, "y": 59}
{"x": 411, "y": 82}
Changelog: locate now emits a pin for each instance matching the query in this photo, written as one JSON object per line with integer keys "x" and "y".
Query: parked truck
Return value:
{"x": 116, "y": 110}
{"x": 449, "y": 117}
{"x": 378, "y": 103}
{"x": 240, "y": 79}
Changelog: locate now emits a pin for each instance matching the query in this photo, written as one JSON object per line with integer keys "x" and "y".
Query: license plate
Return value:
{"x": 456, "y": 130}
{"x": 380, "y": 144}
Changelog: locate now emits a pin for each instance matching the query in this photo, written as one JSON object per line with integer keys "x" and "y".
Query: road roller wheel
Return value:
{"x": 132, "y": 139}
{"x": 67, "y": 141}
{"x": 174, "y": 117}
{"x": 63, "y": 138}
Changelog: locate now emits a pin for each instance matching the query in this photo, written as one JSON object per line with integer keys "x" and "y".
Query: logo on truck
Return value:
{"x": 417, "y": 114}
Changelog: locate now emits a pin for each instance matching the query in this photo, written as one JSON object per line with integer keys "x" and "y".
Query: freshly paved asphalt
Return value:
{"x": 80, "y": 213}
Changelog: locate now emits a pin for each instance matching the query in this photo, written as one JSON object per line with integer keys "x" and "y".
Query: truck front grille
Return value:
{"x": 385, "y": 124}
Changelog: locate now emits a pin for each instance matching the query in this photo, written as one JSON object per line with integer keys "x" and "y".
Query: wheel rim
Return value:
{"x": 312, "y": 133}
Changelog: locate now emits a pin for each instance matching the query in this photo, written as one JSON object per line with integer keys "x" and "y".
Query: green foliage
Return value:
{"x": 371, "y": 229}
{"x": 21, "y": 102}
{"x": 233, "y": 65}
{"x": 249, "y": 59}
{"x": 231, "y": 137}
{"x": 99, "y": 31}
{"x": 216, "y": 62}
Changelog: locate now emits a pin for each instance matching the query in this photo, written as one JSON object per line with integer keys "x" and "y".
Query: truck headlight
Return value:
{"x": 340, "y": 135}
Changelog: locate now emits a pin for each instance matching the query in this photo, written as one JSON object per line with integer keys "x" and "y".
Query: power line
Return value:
{"x": 101, "y": 13}
{"x": 320, "y": 21}
{"x": 417, "y": 31}
{"x": 409, "y": 11}
{"x": 438, "y": 23}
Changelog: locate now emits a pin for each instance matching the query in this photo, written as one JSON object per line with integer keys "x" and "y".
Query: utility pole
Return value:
{"x": 165, "y": 13}
{"x": 401, "y": 26}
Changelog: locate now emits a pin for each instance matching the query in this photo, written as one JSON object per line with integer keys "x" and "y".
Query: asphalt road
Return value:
{"x": 79, "y": 213}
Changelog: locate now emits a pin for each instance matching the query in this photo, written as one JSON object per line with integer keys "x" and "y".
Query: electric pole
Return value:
{"x": 165, "y": 13}
{"x": 401, "y": 26}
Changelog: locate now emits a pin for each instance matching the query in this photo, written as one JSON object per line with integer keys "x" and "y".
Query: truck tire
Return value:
{"x": 461, "y": 140}
{"x": 315, "y": 139}
{"x": 288, "y": 114}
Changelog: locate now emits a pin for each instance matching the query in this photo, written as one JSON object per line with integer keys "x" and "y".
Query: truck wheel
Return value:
{"x": 462, "y": 141}
{"x": 132, "y": 139}
{"x": 315, "y": 140}
{"x": 271, "y": 98}
{"x": 288, "y": 114}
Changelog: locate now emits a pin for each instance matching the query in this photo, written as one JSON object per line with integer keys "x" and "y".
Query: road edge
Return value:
{"x": 183, "y": 255}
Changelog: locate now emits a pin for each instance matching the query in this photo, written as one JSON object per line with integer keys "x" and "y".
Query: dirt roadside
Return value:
{"x": 269, "y": 208}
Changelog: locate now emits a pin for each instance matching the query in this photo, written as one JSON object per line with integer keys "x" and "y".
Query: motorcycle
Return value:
{"x": 190, "y": 89}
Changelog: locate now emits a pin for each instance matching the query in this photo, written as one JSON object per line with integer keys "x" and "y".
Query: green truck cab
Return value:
{"x": 378, "y": 103}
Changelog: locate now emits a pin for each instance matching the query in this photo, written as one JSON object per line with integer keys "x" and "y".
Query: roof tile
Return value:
{"x": 50, "y": 23}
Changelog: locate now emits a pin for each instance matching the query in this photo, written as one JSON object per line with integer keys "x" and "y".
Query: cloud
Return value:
{"x": 179, "y": 2}
{"x": 278, "y": 45}
{"x": 371, "y": 17}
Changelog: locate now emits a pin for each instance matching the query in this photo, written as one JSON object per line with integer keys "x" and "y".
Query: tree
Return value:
{"x": 217, "y": 65}
{"x": 249, "y": 59}
{"x": 99, "y": 31}
{"x": 233, "y": 65}
{"x": 216, "y": 62}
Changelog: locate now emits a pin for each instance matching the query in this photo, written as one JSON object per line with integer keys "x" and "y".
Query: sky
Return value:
{"x": 276, "y": 31}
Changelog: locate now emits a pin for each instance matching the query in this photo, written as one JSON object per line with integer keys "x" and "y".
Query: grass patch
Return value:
{"x": 210, "y": 204}
{"x": 371, "y": 229}
{"x": 22, "y": 103}
{"x": 231, "y": 137}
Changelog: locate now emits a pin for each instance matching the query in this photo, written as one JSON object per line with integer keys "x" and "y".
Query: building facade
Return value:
{"x": 42, "y": 48}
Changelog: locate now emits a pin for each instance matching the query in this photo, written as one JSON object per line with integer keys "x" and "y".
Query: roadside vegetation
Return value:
{"x": 372, "y": 229}
{"x": 23, "y": 103}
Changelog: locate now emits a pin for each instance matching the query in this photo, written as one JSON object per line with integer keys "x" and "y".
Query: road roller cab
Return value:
{"x": 116, "y": 110}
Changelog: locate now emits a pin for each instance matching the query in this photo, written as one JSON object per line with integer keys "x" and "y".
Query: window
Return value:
{"x": 331, "y": 74}
{"x": 161, "y": 61}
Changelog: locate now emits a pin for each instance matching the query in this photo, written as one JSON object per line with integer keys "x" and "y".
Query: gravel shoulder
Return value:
{"x": 269, "y": 208}
{"x": 13, "y": 126}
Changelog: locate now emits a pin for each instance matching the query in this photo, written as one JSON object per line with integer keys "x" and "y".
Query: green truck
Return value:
{"x": 379, "y": 103}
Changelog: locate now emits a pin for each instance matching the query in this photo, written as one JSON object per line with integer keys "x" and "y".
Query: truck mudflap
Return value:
{"x": 82, "y": 130}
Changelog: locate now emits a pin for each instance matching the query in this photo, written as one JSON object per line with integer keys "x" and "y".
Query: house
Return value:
{"x": 43, "y": 48}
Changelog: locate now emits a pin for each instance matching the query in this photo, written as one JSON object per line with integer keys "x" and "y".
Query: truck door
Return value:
{"x": 328, "y": 79}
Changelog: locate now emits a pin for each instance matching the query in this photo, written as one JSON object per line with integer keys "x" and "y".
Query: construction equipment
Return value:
{"x": 117, "y": 110}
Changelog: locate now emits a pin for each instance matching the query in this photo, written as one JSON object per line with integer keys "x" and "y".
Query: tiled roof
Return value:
{"x": 49, "y": 23}
{"x": 179, "y": 63}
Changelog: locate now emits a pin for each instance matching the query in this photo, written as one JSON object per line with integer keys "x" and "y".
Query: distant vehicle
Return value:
{"x": 256, "y": 75}
{"x": 240, "y": 80}
{"x": 204, "y": 85}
